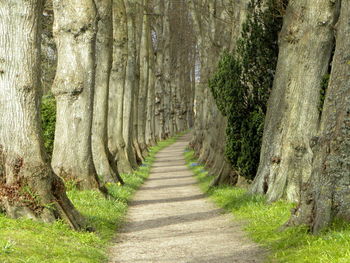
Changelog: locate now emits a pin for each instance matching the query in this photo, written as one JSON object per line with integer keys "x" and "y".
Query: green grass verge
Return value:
{"x": 24, "y": 240}
{"x": 263, "y": 222}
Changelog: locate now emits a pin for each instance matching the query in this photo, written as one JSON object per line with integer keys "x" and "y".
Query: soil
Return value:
{"x": 171, "y": 220}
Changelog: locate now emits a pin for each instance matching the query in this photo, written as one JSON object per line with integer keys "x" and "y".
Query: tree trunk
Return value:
{"x": 100, "y": 152}
{"x": 306, "y": 43}
{"x": 75, "y": 33}
{"x": 138, "y": 20}
{"x": 130, "y": 83}
{"x": 159, "y": 85}
{"x": 150, "y": 123}
{"x": 167, "y": 112}
{"x": 144, "y": 82}
{"x": 116, "y": 143}
{"x": 326, "y": 195}
{"x": 28, "y": 186}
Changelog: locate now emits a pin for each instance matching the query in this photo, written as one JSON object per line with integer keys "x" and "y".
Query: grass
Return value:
{"x": 263, "y": 222}
{"x": 23, "y": 240}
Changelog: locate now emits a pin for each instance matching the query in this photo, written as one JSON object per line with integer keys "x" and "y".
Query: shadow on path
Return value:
{"x": 167, "y": 200}
{"x": 171, "y": 221}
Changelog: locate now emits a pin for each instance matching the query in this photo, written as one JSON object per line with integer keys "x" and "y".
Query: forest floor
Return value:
{"x": 171, "y": 220}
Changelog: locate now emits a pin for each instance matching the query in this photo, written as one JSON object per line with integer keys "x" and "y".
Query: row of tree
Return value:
{"x": 124, "y": 79}
{"x": 304, "y": 155}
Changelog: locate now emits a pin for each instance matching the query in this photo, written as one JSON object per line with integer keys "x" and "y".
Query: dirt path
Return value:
{"x": 170, "y": 220}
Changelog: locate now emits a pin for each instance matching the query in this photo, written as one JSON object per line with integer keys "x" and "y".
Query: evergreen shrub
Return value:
{"x": 243, "y": 81}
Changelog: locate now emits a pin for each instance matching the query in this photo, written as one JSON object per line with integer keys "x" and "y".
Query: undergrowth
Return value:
{"x": 24, "y": 240}
{"x": 263, "y": 222}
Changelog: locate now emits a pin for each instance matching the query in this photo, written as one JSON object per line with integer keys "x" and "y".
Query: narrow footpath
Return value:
{"x": 170, "y": 220}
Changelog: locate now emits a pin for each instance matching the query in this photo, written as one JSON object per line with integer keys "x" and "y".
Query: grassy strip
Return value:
{"x": 264, "y": 220}
{"x": 24, "y": 240}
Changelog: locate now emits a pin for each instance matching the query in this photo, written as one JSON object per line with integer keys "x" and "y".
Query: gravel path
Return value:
{"x": 170, "y": 220}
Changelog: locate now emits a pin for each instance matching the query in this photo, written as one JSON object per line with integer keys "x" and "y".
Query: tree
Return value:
{"x": 28, "y": 186}
{"x": 130, "y": 82}
{"x": 158, "y": 41}
{"x": 103, "y": 162}
{"x": 116, "y": 143}
{"x": 137, "y": 92}
{"x": 144, "y": 82}
{"x": 326, "y": 194}
{"x": 75, "y": 33}
{"x": 150, "y": 130}
{"x": 306, "y": 43}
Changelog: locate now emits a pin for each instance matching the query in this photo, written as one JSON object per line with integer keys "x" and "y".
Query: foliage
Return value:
{"x": 324, "y": 87}
{"x": 242, "y": 83}
{"x": 24, "y": 240}
{"x": 48, "y": 120}
{"x": 264, "y": 223}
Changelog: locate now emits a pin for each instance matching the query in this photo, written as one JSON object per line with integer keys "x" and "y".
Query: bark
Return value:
{"x": 101, "y": 155}
{"x": 75, "y": 34}
{"x": 144, "y": 84}
{"x": 196, "y": 142}
{"x": 159, "y": 85}
{"x": 167, "y": 108}
{"x": 130, "y": 83}
{"x": 150, "y": 137}
{"x": 306, "y": 43}
{"x": 116, "y": 143}
{"x": 138, "y": 36}
{"x": 326, "y": 195}
{"x": 28, "y": 186}
{"x": 190, "y": 107}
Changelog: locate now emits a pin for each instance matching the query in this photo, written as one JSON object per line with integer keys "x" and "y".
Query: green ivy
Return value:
{"x": 242, "y": 84}
{"x": 48, "y": 120}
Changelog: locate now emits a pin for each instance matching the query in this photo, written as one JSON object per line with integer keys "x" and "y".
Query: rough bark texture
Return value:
{"x": 144, "y": 84}
{"x": 326, "y": 195}
{"x": 166, "y": 94}
{"x": 75, "y": 33}
{"x": 159, "y": 86}
{"x": 150, "y": 136}
{"x": 116, "y": 143}
{"x": 130, "y": 83}
{"x": 100, "y": 152}
{"x": 28, "y": 186}
{"x": 138, "y": 21}
{"x": 306, "y": 43}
